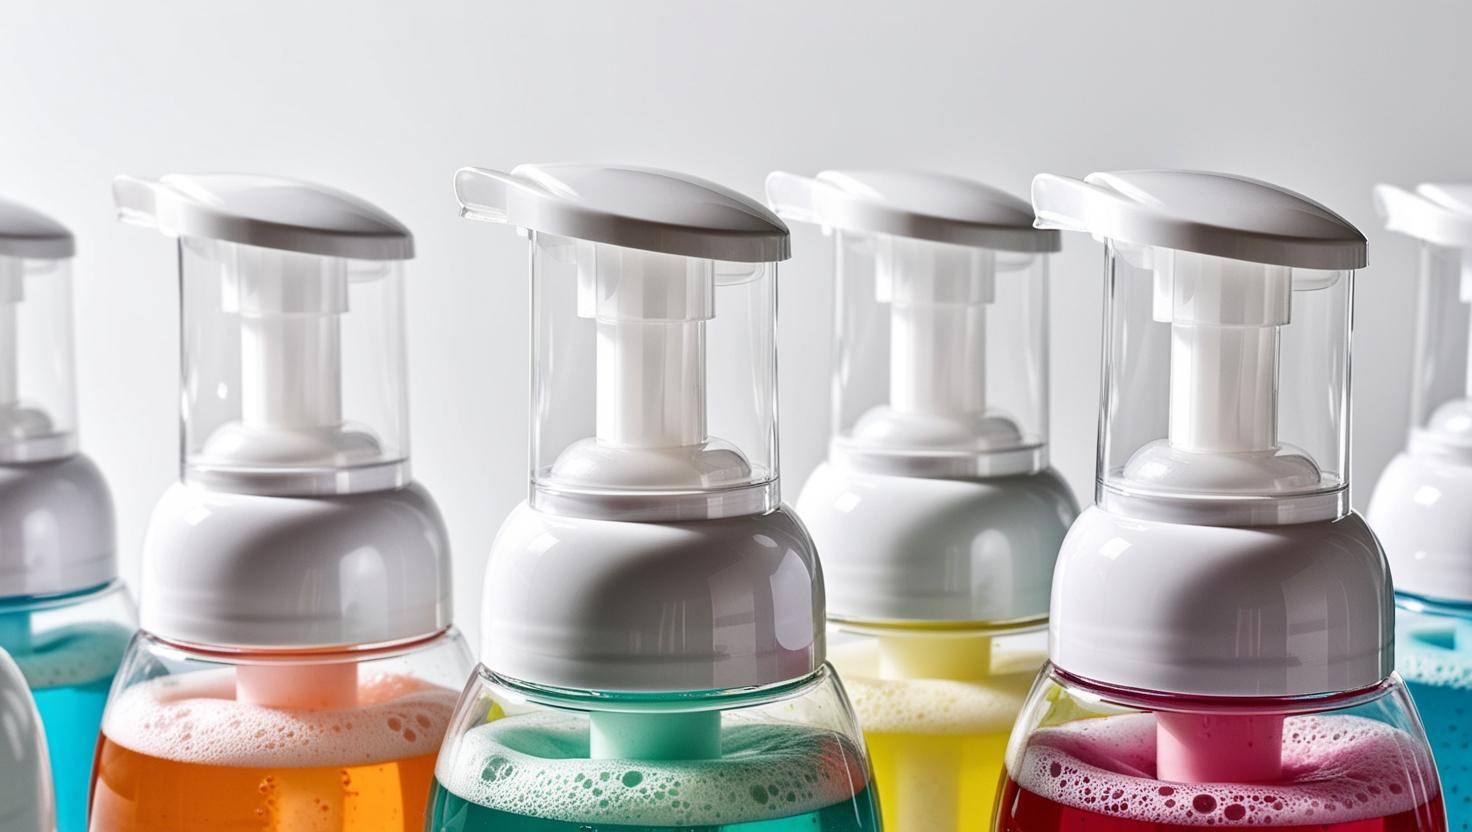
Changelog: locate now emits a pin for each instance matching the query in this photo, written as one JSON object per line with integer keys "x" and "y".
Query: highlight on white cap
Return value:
{"x": 629, "y": 206}
{"x": 938, "y": 207}
{"x": 1217, "y": 214}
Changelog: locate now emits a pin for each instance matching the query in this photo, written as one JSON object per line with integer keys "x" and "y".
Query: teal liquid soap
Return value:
{"x": 532, "y": 773}
{"x": 70, "y": 671}
{"x": 1433, "y": 653}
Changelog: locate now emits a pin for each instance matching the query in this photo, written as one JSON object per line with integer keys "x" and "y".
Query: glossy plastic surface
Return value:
{"x": 38, "y": 410}
{"x": 263, "y": 211}
{"x": 338, "y": 741}
{"x": 626, "y": 206}
{"x": 1422, "y": 512}
{"x": 56, "y": 528}
{"x": 653, "y": 384}
{"x": 293, "y": 376}
{"x": 781, "y": 758}
{"x": 941, "y": 321}
{"x": 1433, "y": 652}
{"x": 910, "y": 550}
{"x": 1087, "y": 756}
{"x": 1300, "y": 609}
{"x": 654, "y": 309}
{"x": 918, "y": 205}
{"x": 1226, "y": 389}
{"x": 1215, "y": 214}
{"x": 1441, "y": 395}
{"x": 243, "y": 571}
{"x": 941, "y": 356}
{"x": 68, "y": 647}
{"x": 607, "y": 605}
{"x": 25, "y": 789}
{"x": 1226, "y": 344}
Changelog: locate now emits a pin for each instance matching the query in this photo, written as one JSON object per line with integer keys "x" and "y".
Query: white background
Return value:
{"x": 386, "y": 99}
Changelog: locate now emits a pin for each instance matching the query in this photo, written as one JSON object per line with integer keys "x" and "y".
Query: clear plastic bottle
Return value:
{"x": 936, "y": 513}
{"x": 1221, "y": 629}
{"x": 26, "y": 799}
{"x": 64, "y": 617}
{"x": 1422, "y": 507}
{"x": 322, "y": 740}
{"x": 654, "y": 647}
{"x": 296, "y": 667}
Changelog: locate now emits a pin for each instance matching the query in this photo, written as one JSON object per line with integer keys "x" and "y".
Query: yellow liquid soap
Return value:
{"x": 937, "y": 709}
{"x": 184, "y": 753}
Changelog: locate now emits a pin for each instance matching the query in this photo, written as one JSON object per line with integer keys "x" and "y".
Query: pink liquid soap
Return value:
{"x": 1336, "y": 773}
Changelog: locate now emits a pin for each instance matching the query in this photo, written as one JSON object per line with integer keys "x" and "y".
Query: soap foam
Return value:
{"x": 74, "y": 655}
{"x": 1421, "y": 659}
{"x": 537, "y": 765}
{"x": 1336, "y": 769}
{"x": 194, "y": 718}
{"x": 935, "y": 706}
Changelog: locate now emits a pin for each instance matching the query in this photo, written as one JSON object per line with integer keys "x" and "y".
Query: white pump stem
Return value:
{"x": 651, "y": 310}
{"x": 1224, "y": 316}
{"x": 938, "y": 295}
{"x": 290, "y": 338}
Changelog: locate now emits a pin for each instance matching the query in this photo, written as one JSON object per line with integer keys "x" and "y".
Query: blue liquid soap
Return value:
{"x": 69, "y": 669}
{"x": 533, "y": 773}
{"x": 1433, "y": 652}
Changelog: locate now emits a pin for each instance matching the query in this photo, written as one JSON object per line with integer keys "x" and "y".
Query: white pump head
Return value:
{"x": 1222, "y": 560}
{"x": 1226, "y": 344}
{"x": 37, "y": 396}
{"x": 296, "y": 526}
{"x": 292, "y": 332}
{"x": 941, "y": 335}
{"x": 56, "y": 515}
{"x": 655, "y": 293}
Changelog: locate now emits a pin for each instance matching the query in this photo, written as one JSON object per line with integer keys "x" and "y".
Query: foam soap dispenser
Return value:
{"x": 654, "y": 646}
{"x": 1221, "y": 628}
{"x": 26, "y": 801}
{"x": 64, "y": 617}
{"x": 296, "y": 668}
{"x": 936, "y": 513}
{"x": 1422, "y": 506}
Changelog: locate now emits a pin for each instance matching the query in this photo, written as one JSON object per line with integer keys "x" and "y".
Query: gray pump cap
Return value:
{"x": 28, "y": 233}
{"x": 264, "y": 211}
{"x": 1207, "y": 213}
{"x": 601, "y": 605}
{"x": 56, "y": 528}
{"x": 244, "y": 571}
{"x": 628, "y": 206}
{"x": 924, "y": 206}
